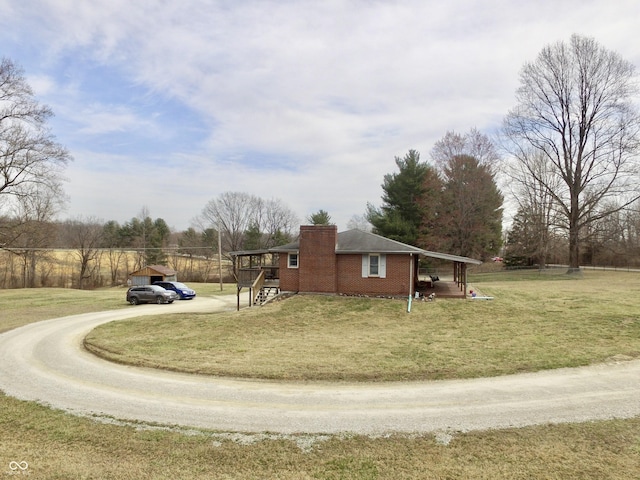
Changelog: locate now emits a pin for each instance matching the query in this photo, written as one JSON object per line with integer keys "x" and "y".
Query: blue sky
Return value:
{"x": 167, "y": 104}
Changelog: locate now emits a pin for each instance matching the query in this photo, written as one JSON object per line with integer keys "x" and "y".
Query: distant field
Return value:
{"x": 60, "y": 268}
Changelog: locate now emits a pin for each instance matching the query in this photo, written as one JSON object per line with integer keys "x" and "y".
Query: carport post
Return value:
{"x": 410, "y": 282}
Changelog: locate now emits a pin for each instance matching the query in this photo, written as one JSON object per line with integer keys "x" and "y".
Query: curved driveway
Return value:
{"x": 45, "y": 362}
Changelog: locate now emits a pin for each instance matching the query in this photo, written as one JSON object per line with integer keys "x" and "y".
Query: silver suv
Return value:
{"x": 150, "y": 294}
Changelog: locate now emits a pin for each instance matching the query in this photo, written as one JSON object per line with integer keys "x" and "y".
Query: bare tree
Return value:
{"x": 279, "y": 222}
{"x": 31, "y": 230}
{"x": 116, "y": 255}
{"x": 359, "y": 222}
{"x": 236, "y": 213}
{"x": 191, "y": 247}
{"x": 473, "y": 144}
{"x": 29, "y": 155}
{"x": 536, "y": 205}
{"x": 631, "y": 233}
{"x": 574, "y": 107}
{"x": 85, "y": 236}
{"x": 232, "y": 213}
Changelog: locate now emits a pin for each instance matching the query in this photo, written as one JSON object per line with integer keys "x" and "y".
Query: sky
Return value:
{"x": 166, "y": 104}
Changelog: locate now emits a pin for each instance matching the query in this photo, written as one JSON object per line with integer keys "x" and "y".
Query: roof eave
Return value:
{"x": 244, "y": 253}
{"x": 451, "y": 258}
{"x": 386, "y": 252}
{"x": 284, "y": 250}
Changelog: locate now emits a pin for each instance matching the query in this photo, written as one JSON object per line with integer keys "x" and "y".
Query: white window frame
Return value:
{"x": 290, "y": 256}
{"x": 377, "y": 265}
{"x": 366, "y": 265}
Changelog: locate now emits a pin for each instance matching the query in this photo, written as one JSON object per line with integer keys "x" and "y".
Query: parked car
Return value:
{"x": 184, "y": 292}
{"x": 150, "y": 294}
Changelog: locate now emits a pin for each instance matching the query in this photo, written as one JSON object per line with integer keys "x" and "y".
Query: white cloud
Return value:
{"x": 99, "y": 119}
{"x": 42, "y": 85}
{"x": 302, "y": 100}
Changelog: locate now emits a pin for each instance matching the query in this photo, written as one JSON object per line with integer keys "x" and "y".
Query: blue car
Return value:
{"x": 184, "y": 292}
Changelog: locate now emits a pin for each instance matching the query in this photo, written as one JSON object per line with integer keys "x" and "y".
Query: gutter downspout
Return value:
{"x": 410, "y": 283}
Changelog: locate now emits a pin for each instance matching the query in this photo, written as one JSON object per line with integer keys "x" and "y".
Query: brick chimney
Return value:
{"x": 318, "y": 262}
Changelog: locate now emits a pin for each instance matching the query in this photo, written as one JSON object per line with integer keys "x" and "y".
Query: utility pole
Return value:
{"x": 220, "y": 255}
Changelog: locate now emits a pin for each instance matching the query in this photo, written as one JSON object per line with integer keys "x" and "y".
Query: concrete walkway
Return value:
{"x": 45, "y": 362}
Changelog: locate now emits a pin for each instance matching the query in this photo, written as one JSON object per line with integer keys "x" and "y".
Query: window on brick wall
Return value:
{"x": 374, "y": 265}
{"x": 293, "y": 260}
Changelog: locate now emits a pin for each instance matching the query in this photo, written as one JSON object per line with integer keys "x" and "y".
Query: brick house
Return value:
{"x": 353, "y": 262}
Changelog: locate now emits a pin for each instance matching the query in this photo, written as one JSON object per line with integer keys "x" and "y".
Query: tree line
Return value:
{"x": 566, "y": 153}
{"x": 88, "y": 253}
{"x": 104, "y": 253}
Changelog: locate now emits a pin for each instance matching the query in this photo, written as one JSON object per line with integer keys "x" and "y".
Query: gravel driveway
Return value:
{"x": 45, "y": 362}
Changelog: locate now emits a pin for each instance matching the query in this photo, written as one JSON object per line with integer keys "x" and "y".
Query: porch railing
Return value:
{"x": 257, "y": 286}
{"x": 246, "y": 276}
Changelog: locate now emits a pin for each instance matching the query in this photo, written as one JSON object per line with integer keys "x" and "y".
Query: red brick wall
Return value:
{"x": 351, "y": 282}
{"x": 289, "y": 277}
{"x": 320, "y": 270}
{"x": 318, "y": 258}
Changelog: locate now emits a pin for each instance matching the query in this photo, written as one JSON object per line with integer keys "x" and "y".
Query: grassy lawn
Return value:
{"x": 532, "y": 322}
{"x": 59, "y": 446}
{"x": 21, "y": 306}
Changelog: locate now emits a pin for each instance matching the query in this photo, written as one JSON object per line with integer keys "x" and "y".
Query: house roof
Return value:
{"x": 289, "y": 247}
{"x": 358, "y": 241}
{"x": 166, "y": 271}
{"x": 452, "y": 258}
{"x": 247, "y": 253}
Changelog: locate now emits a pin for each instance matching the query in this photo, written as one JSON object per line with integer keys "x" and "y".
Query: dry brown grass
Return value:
{"x": 22, "y": 306}
{"x": 57, "y": 445}
{"x": 531, "y": 325}
{"x": 27, "y": 305}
